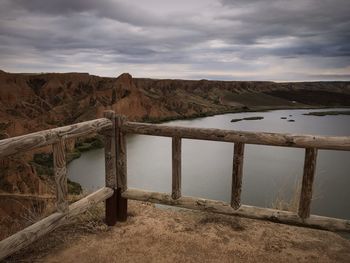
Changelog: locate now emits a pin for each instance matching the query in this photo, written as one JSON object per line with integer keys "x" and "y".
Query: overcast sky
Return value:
{"x": 190, "y": 39}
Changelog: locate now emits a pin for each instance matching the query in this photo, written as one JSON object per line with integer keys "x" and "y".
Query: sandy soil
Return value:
{"x": 163, "y": 235}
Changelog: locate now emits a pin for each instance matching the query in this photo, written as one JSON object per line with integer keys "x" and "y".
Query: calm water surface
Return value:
{"x": 270, "y": 172}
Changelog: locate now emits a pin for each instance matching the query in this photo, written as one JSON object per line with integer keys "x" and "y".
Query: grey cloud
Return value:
{"x": 226, "y": 35}
{"x": 117, "y": 10}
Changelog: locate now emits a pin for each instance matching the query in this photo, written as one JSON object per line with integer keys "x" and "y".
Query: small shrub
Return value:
{"x": 43, "y": 159}
{"x": 74, "y": 188}
{"x": 73, "y": 155}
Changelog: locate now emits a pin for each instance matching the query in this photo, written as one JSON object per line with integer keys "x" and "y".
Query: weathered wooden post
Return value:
{"x": 176, "y": 167}
{"x": 122, "y": 203}
{"x": 60, "y": 170}
{"x": 110, "y": 167}
{"x": 308, "y": 179}
{"x": 237, "y": 174}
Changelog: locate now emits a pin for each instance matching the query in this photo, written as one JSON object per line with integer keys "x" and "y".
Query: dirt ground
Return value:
{"x": 163, "y": 235}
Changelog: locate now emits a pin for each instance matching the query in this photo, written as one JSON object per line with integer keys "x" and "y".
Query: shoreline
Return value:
{"x": 257, "y": 109}
{"x": 165, "y": 120}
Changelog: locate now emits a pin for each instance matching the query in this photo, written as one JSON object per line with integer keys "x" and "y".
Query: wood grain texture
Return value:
{"x": 308, "y": 179}
{"x": 28, "y": 235}
{"x": 80, "y": 206}
{"x": 263, "y": 138}
{"x": 111, "y": 169}
{"x": 110, "y": 152}
{"x": 121, "y": 153}
{"x": 237, "y": 175}
{"x": 176, "y": 167}
{"x": 220, "y": 207}
{"x": 38, "y": 139}
{"x": 60, "y": 171}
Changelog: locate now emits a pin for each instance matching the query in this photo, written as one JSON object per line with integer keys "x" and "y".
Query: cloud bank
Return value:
{"x": 193, "y": 39}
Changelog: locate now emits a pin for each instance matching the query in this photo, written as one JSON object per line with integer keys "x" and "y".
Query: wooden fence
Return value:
{"x": 56, "y": 138}
{"x": 116, "y": 193}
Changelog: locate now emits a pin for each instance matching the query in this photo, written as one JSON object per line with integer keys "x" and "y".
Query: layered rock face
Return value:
{"x": 32, "y": 102}
{"x": 36, "y": 102}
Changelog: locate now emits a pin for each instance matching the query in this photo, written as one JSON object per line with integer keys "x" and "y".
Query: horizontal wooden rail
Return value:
{"x": 33, "y": 197}
{"x": 38, "y": 139}
{"x": 28, "y": 235}
{"x": 220, "y": 207}
{"x": 263, "y": 138}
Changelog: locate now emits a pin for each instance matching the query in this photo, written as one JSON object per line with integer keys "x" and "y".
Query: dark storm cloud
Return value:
{"x": 118, "y": 10}
{"x": 321, "y": 26}
{"x": 196, "y": 37}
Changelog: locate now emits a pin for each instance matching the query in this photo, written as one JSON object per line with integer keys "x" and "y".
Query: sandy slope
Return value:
{"x": 155, "y": 235}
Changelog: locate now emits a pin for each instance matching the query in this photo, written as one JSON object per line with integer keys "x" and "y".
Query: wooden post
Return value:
{"x": 237, "y": 174}
{"x": 60, "y": 170}
{"x": 110, "y": 168}
{"x": 176, "y": 165}
{"x": 308, "y": 178}
{"x": 122, "y": 203}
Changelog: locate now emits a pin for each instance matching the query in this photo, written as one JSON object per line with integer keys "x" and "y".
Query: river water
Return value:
{"x": 270, "y": 173}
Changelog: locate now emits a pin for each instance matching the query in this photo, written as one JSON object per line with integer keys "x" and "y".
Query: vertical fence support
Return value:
{"x": 308, "y": 179}
{"x": 110, "y": 168}
{"x": 60, "y": 170}
{"x": 122, "y": 203}
{"x": 237, "y": 174}
{"x": 176, "y": 167}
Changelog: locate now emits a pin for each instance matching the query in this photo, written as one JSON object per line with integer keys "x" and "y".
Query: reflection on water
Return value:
{"x": 269, "y": 172}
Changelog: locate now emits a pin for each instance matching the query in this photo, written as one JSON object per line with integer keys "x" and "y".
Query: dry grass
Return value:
{"x": 27, "y": 212}
{"x": 36, "y": 212}
{"x": 231, "y": 222}
{"x": 90, "y": 222}
{"x": 165, "y": 235}
{"x": 291, "y": 204}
